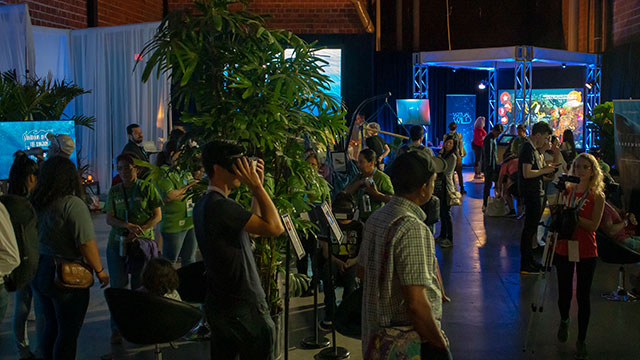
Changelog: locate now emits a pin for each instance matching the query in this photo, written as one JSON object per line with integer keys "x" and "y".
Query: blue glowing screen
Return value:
{"x": 461, "y": 109}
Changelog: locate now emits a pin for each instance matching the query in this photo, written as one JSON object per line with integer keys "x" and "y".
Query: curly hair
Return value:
{"x": 57, "y": 178}
{"x": 596, "y": 184}
{"x": 159, "y": 277}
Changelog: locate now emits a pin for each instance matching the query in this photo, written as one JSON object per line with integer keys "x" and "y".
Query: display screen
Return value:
{"x": 413, "y": 112}
{"x": 25, "y": 135}
{"x": 561, "y": 108}
{"x": 461, "y": 109}
{"x": 333, "y": 68}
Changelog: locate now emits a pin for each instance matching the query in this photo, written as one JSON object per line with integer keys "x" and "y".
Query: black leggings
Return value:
{"x": 477, "y": 153}
{"x": 586, "y": 268}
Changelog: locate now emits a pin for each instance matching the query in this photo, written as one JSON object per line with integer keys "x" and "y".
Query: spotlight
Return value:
{"x": 482, "y": 85}
{"x": 564, "y": 66}
{"x": 590, "y": 84}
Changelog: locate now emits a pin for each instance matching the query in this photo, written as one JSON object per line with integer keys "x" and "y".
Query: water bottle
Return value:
{"x": 123, "y": 243}
{"x": 366, "y": 202}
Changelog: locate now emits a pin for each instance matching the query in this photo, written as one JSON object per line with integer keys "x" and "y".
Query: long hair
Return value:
{"x": 159, "y": 277}
{"x": 445, "y": 154}
{"x": 567, "y": 137}
{"x": 21, "y": 168}
{"x": 596, "y": 184}
{"x": 479, "y": 122}
{"x": 57, "y": 178}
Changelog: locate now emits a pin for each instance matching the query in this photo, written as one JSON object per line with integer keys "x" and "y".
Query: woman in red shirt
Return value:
{"x": 478, "y": 138}
{"x": 585, "y": 167}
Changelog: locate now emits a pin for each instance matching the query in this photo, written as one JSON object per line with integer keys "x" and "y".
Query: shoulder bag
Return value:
{"x": 72, "y": 275}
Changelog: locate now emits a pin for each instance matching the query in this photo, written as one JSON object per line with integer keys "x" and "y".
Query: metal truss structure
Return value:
{"x": 592, "y": 98}
{"x": 493, "y": 95}
{"x": 522, "y": 85}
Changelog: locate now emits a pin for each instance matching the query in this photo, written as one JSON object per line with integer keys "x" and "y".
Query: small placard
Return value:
{"x": 293, "y": 235}
{"x": 333, "y": 224}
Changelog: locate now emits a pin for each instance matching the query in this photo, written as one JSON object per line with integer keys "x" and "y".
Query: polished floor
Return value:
{"x": 487, "y": 317}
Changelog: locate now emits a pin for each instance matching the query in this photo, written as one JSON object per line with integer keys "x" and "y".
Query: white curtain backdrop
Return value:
{"x": 53, "y": 52}
{"x": 16, "y": 40}
{"x": 103, "y": 61}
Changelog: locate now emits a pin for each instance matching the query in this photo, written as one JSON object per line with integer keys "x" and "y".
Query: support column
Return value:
{"x": 493, "y": 95}
{"x": 592, "y": 98}
{"x": 522, "y": 85}
{"x": 420, "y": 78}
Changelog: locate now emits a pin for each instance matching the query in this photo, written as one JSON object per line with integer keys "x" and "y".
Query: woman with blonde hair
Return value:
{"x": 582, "y": 246}
{"x": 478, "y": 140}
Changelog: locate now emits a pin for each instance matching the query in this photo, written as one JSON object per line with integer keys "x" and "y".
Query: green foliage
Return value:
{"x": 232, "y": 80}
{"x": 38, "y": 99}
{"x": 602, "y": 117}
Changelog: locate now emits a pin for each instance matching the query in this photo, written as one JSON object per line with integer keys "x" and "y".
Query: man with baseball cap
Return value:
{"x": 401, "y": 289}
{"x": 376, "y": 143}
{"x": 60, "y": 145}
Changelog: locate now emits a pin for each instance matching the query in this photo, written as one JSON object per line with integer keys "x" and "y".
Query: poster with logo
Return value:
{"x": 26, "y": 135}
{"x": 627, "y": 143}
{"x": 461, "y": 109}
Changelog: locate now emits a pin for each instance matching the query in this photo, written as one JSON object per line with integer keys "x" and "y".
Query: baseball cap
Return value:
{"x": 373, "y": 126}
{"x": 61, "y": 143}
{"x": 414, "y": 168}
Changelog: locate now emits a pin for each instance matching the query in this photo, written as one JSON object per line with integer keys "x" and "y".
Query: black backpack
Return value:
{"x": 25, "y": 226}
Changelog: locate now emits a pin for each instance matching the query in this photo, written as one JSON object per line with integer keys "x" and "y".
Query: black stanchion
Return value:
{"x": 315, "y": 341}
{"x": 335, "y": 352}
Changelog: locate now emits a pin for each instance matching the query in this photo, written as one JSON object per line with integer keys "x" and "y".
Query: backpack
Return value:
{"x": 25, "y": 226}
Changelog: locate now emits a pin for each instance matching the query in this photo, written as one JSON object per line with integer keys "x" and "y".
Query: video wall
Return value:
{"x": 25, "y": 135}
{"x": 333, "y": 68}
{"x": 561, "y": 108}
{"x": 461, "y": 109}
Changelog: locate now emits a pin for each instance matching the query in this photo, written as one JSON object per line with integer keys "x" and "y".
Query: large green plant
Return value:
{"x": 602, "y": 117}
{"x": 231, "y": 79}
{"x": 38, "y": 99}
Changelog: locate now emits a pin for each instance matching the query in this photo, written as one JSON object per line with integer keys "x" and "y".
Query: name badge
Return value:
{"x": 574, "y": 251}
{"x": 181, "y": 222}
{"x": 189, "y": 208}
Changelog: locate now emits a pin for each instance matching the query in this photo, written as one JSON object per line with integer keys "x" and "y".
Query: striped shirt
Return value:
{"x": 411, "y": 261}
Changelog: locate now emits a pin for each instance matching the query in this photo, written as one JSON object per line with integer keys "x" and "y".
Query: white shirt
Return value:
{"x": 9, "y": 254}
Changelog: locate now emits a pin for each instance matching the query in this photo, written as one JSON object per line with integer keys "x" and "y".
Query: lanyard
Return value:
{"x": 127, "y": 199}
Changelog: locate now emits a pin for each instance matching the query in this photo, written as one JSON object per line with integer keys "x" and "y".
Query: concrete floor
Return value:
{"x": 486, "y": 319}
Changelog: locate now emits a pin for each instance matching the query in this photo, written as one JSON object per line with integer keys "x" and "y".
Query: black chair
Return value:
{"x": 612, "y": 252}
{"x": 147, "y": 319}
{"x": 193, "y": 283}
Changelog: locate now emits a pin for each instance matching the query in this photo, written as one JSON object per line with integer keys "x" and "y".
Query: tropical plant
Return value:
{"x": 231, "y": 79}
{"x": 38, "y": 99}
{"x": 602, "y": 117}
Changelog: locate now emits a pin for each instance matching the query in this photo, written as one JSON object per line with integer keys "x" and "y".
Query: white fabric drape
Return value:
{"x": 16, "y": 40}
{"x": 53, "y": 52}
{"x": 103, "y": 61}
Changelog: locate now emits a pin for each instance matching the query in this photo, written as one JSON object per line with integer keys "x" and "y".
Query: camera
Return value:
{"x": 564, "y": 179}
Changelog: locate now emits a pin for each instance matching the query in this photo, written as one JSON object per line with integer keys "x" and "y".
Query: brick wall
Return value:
{"x": 121, "y": 12}
{"x": 626, "y": 21}
{"x": 66, "y": 14}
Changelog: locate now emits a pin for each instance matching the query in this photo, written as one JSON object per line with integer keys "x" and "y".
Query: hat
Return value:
{"x": 411, "y": 161}
{"x": 373, "y": 126}
{"x": 61, "y": 143}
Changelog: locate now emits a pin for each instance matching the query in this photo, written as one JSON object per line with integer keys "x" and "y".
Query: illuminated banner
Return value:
{"x": 461, "y": 109}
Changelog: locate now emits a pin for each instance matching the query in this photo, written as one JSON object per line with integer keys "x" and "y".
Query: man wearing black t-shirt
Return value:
{"x": 376, "y": 143}
{"x": 235, "y": 306}
{"x": 531, "y": 171}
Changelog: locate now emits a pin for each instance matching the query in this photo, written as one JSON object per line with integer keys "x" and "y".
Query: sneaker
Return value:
{"x": 326, "y": 325}
{"x": 116, "y": 338}
{"x": 563, "y": 330}
{"x": 445, "y": 243}
{"x": 530, "y": 269}
{"x": 581, "y": 350}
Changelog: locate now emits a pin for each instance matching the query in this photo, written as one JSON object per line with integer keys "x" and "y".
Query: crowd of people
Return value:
{"x": 387, "y": 214}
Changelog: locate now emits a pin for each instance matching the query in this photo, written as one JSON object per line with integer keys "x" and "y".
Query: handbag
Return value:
{"x": 454, "y": 198}
{"x": 394, "y": 342}
{"x": 72, "y": 275}
{"x": 495, "y": 207}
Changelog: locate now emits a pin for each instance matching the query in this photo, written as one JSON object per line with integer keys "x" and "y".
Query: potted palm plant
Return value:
{"x": 232, "y": 80}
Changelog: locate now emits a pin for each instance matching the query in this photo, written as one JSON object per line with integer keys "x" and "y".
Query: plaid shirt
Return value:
{"x": 412, "y": 261}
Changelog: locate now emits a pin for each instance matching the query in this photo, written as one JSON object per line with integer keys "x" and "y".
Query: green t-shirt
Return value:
{"x": 63, "y": 226}
{"x": 142, "y": 201}
{"x": 383, "y": 184}
{"x": 177, "y": 215}
{"x": 516, "y": 143}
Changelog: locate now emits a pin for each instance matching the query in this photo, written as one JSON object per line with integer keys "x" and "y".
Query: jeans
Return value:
{"x": 458, "y": 171}
{"x": 63, "y": 311}
{"x": 181, "y": 244}
{"x": 489, "y": 178}
{"x": 4, "y": 301}
{"x": 585, "y": 269}
{"x": 118, "y": 276}
{"x": 446, "y": 224}
{"x": 243, "y": 329}
{"x": 22, "y": 307}
{"x": 346, "y": 279}
{"x": 533, "y": 213}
